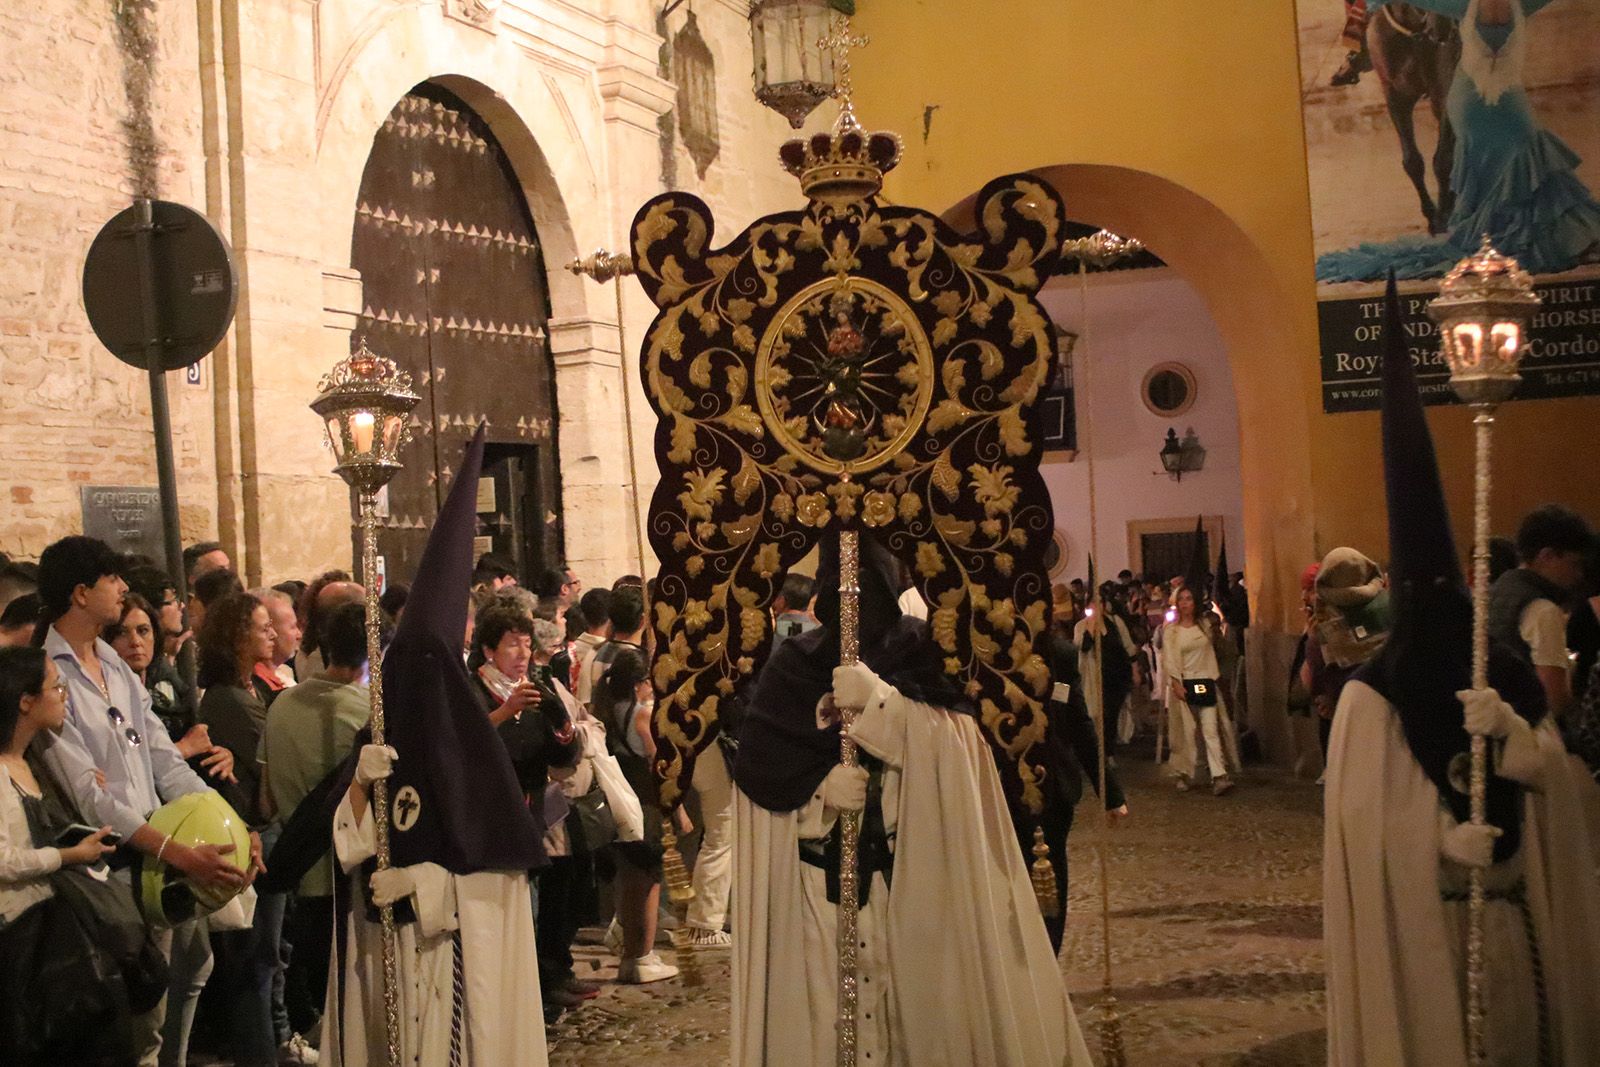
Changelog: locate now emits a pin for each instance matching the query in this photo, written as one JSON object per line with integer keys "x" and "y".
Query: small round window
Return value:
{"x": 1168, "y": 389}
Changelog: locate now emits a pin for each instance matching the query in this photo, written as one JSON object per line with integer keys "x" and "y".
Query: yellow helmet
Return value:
{"x": 165, "y": 894}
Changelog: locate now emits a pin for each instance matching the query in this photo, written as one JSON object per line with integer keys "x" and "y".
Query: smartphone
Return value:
{"x": 77, "y": 831}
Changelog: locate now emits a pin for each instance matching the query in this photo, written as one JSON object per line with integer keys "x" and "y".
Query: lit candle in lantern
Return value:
{"x": 361, "y": 432}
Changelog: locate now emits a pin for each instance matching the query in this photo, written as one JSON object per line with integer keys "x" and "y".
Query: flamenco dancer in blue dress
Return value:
{"x": 1513, "y": 180}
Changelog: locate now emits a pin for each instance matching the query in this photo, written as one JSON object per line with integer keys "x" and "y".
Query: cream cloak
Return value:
{"x": 956, "y": 965}
{"x": 491, "y": 911}
{"x": 1396, "y": 950}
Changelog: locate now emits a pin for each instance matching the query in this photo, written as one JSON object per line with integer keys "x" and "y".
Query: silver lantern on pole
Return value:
{"x": 793, "y": 72}
{"x": 365, "y": 402}
{"x": 1483, "y": 311}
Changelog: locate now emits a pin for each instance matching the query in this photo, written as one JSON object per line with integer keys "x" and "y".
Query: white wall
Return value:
{"x": 1127, "y": 322}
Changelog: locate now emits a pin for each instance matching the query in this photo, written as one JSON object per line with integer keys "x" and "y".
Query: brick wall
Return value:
{"x": 70, "y": 414}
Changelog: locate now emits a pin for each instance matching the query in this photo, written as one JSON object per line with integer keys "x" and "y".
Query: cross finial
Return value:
{"x": 839, "y": 40}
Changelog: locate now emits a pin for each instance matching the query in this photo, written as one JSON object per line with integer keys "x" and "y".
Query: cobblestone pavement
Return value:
{"x": 1216, "y": 931}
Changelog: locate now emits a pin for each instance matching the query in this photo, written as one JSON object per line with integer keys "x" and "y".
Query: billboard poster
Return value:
{"x": 1428, "y": 125}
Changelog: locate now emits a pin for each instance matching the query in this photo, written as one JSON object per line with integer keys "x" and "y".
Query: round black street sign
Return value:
{"x": 161, "y": 289}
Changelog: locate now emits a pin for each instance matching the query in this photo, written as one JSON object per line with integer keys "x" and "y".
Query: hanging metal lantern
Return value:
{"x": 694, "y": 68}
{"x": 1483, "y": 310}
{"x": 793, "y": 73}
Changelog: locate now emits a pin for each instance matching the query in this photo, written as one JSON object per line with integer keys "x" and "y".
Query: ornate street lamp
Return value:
{"x": 793, "y": 72}
{"x": 365, "y": 401}
{"x": 1483, "y": 309}
{"x": 1182, "y": 457}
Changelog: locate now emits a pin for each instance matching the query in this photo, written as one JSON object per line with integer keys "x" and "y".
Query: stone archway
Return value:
{"x": 455, "y": 292}
{"x": 1246, "y": 301}
{"x": 558, "y": 146}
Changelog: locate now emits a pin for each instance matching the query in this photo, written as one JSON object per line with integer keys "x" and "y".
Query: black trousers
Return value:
{"x": 562, "y": 890}
{"x": 1056, "y": 827}
{"x": 309, "y": 928}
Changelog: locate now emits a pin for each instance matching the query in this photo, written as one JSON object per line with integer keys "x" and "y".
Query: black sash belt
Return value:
{"x": 873, "y": 854}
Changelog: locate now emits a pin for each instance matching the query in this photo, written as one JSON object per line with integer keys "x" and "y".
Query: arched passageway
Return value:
{"x": 1218, "y": 260}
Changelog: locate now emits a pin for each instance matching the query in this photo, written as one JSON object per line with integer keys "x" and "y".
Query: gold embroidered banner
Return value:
{"x": 858, "y": 364}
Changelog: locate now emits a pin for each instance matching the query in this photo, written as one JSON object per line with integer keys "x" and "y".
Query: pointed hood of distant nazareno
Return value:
{"x": 1224, "y": 581}
{"x": 1428, "y": 656}
{"x": 469, "y": 813}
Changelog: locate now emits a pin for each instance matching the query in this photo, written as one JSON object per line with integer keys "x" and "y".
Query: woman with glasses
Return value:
{"x": 33, "y": 699}
{"x": 517, "y": 688}
{"x": 167, "y": 615}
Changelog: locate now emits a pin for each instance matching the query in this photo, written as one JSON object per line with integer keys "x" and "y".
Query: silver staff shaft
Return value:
{"x": 380, "y": 788}
{"x": 850, "y": 821}
{"x": 1483, "y": 425}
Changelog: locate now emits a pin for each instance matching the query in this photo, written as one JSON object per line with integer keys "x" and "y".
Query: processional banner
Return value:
{"x": 850, "y": 365}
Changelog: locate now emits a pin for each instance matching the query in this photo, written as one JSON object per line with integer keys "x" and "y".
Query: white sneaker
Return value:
{"x": 699, "y": 937}
{"x": 613, "y": 938}
{"x": 651, "y": 968}
{"x": 296, "y": 1052}
{"x": 1322, "y": 779}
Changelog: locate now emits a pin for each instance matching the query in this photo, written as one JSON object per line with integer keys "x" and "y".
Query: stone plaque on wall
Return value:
{"x": 126, "y": 517}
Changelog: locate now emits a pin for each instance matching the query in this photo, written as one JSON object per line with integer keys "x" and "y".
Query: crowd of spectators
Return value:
{"x": 119, "y": 694}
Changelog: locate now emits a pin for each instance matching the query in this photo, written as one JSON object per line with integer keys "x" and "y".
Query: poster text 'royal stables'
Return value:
{"x": 1562, "y": 357}
{"x": 1428, "y": 125}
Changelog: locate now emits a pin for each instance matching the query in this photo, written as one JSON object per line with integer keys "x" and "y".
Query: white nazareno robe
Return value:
{"x": 1396, "y": 946}
{"x": 956, "y": 968}
{"x": 502, "y": 1018}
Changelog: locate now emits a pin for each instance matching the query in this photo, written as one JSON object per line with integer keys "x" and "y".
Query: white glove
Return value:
{"x": 1486, "y": 714}
{"x": 1469, "y": 844}
{"x": 845, "y": 788}
{"x": 390, "y": 885}
{"x": 375, "y": 762}
{"x": 854, "y": 685}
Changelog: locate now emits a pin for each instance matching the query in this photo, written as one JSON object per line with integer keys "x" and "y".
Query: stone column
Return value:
{"x": 633, "y": 99}
{"x": 281, "y": 513}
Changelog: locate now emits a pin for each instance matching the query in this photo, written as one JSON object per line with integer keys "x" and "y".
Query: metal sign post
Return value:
{"x": 178, "y": 309}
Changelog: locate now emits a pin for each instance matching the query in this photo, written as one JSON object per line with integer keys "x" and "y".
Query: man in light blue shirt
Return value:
{"x": 114, "y": 758}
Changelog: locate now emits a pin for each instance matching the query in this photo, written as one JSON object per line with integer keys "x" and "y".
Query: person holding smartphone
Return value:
{"x": 33, "y": 702}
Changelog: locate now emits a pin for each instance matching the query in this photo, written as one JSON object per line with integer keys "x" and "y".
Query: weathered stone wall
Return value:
{"x": 266, "y": 111}
{"x": 70, "y": 414}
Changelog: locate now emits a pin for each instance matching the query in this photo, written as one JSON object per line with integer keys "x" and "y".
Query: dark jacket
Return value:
{"x": 1072, "y": 744}
{"x": 235, "y": 717}
{"x": 1509, "y": 597}
{"x": 532, "y": 743}
{"x": 171, "y": 697}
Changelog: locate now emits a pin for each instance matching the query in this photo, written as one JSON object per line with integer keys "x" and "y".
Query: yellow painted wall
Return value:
{"x": 1179, "y": 123}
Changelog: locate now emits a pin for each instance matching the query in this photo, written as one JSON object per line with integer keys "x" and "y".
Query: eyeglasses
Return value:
{"x": 122, "y": 724}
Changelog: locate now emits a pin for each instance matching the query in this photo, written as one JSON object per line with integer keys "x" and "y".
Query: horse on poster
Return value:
{"x": 1414, "y": 54}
